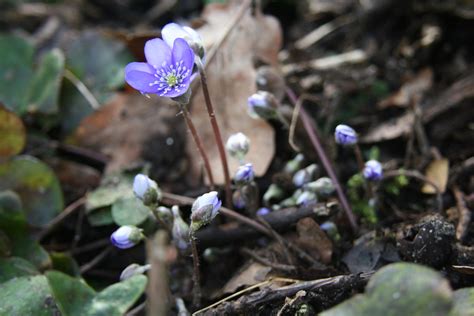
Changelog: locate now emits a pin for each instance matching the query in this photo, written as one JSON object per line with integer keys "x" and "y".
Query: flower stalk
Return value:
{"x": 199, "y": 145}
{"x": 215, "y": 128}
{"x": 196, "y": 273}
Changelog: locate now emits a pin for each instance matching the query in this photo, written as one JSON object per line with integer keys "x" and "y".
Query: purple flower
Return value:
{"x": 146, "y": 189}
{"x": 204, "y": 209}
{"x": 126, "y": 237}
{"x": 345, "y": 135}
{"x": 167, "y": 72}
{"x": 244, "y": 174}
{"x": 262, "y": 105}
{"x": 373, "y": 170}
{"x": 263, "y": 211}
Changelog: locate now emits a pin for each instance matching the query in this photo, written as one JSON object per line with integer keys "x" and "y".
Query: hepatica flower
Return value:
{"x": 373, "y": 170}
{"x": 172, "y": 31}
{"x": 204, "y": 209}
{"x": 167, "y": 70}
{"x": 345, "y": 135}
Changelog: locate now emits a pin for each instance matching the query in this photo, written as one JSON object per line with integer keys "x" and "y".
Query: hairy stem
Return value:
{"x": 324, "y": 159}
{"x": 215, "y": 129}
{"x": 196, "y": 273}
{"x": 199, "y": 145}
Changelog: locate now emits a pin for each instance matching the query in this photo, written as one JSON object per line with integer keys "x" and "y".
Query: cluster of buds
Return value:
{"x": 323, "y": 187}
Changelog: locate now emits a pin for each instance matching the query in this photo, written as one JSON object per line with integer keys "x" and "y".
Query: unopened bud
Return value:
{"x": 126, "y": 237}
{"x": 263, "y": 211}
{"x": 132, "y": 270}
{"x": 180, "y": 230}
{"x": 262, "y": 105}
{"x": 294, "y": 165}
{"x": 274, "y": 193}
{"x": 146, "y": 190}
{"x": 373, "y": 170}
{"x": 305, "y": 175}
{"x": 323, "y": 187}
{"x": 204, "y": 209}
{"x": 307, "y": 199}
{"x": 164, "y": 214}
{"x": 244, "y": 174}
{"x": 345, "y": 135}
{"x": 238, "y": 145}
{"x": 172, "y": 31}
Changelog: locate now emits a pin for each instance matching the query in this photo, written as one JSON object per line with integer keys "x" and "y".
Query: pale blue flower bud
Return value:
{"x": 345, "y": 135}
{"x": 323, "y": 186}
{"x": 273, "y": 193}
{"x": 244, "y": 174}
{"x": 204, "y": 209}
{"x": 164, "y": 214}
{"x": 373, "y": 170}
{"x": 331, "y": 230}
{"x": 307, "y": 199}
{"x": 294, "y": 164}
{"x": 146, "y": 190}
{"x": 305, "y": 175}
{"x": 262, "y": 105}
{"x": 126, "y": 237}
{"x": 180, "y": 230}
{"x": 132, "y": 270}
{"x": 263, "y": 211}
{"x": 172, "y": 31}
{"x": 238, "y": 200}
{"x": 238, "y": 145}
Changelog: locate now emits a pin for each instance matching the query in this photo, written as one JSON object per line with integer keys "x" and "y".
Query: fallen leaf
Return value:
{"x": 391, "y": 129}
{"x": 123, "y": 128}
{"x": 13, "y": 133}
{"x": 250, "y": 274}
{"x": 437, "y": 172}
{"x": 414, "y": 87}
{"x": 314, "y": 240}
{"x": 231, "y": 79}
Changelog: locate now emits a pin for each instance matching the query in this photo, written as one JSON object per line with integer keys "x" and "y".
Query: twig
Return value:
{"x": 137, "y": 310}
{"x": 252, "y": 301}
{"x": 158, "y": 285}
{"x": 464, "y": 214}
{"x": 97, "y": 259}
{"x": 199, "y": 145}
{"x": 81, "y": 87}
{"x": 215, "y": 129}
{"x": 294, "y": 120}
{"x": 196, "y": 273}
{"x": 70, "y": 209}
{"x": 266, "y": 262}
{"x": 92, "y": 246}
{"x": 316, "y": 35}
{"x": 324, "y": 159}
{"x": 416, "y": 175}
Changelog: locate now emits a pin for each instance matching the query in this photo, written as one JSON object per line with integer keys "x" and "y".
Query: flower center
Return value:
{"x": 170, "y": 77}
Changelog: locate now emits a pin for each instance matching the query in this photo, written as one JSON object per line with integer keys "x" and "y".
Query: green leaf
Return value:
{"x": 12, "y": 218}
{"x": 26, "y": 247}
{"x": 15, "y": 267}
{"x": 400, "y": 289}
{"x": 13, "y": 137}
{"x": 64, "y": 262}
{"x": 129, "y": 211}
{"x": 37, "y": 186}
{"x": 101, "y": 217}
{"x": 16, "y": 58}
{"x": 112, "y": 188}
{"x": 72, "y": 295}
{"x": 5, "y": 245}
{"x": 119, "y": 297}
{"x": 463, "y": 302}
{"x": 98, "y": 61}
{"x": 75, "y": 298}
{"x": 27, "y": 296}
{"x": 44, "y": 89}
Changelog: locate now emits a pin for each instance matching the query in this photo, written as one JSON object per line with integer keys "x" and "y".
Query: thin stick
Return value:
{"x": 96, "y": 260}
{"x": 159, "y": 299}
{"x": 196, "y": 273}
{"x": 82, "y": 88}
{"x": 216, "y": 130}
{"x": 324, "y": 159}
{"x": 71, "y": 208}
{"x": 199, "y": 145}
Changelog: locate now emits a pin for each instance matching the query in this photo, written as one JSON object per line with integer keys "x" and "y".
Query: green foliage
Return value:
{"x": 129, "y": 211}
{"x": 13, "y": 137}
{"x": 396, "y": 184}
{"x": 463, "y": 302}
{"x": 64, "y": 262}
{"x": 74, "y": 297}
{"x": 360, "y": 204}
{"x": 98, "y": 62}
{"x": 15, "y": 267}
{"x": 28, "y": 295}
{"x": 23, "y": 89}
{"x": 37, "y": 186}
{"x": 400, "y": 289}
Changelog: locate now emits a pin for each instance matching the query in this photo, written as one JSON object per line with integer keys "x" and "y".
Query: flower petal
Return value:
{"x": 182, "y": 52}
{"x": 157, "y": 52}
{"x": 143, "y": 67}
{"x": 172, "y": 31}
{"x": 141, "y": 81}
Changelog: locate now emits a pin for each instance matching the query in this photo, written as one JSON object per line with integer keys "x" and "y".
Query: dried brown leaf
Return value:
{"x": 437, "y": 172}
{"x": 231, "y": 78}
{"x": 314, "y": 240}
{"x": 250, "y": 274}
